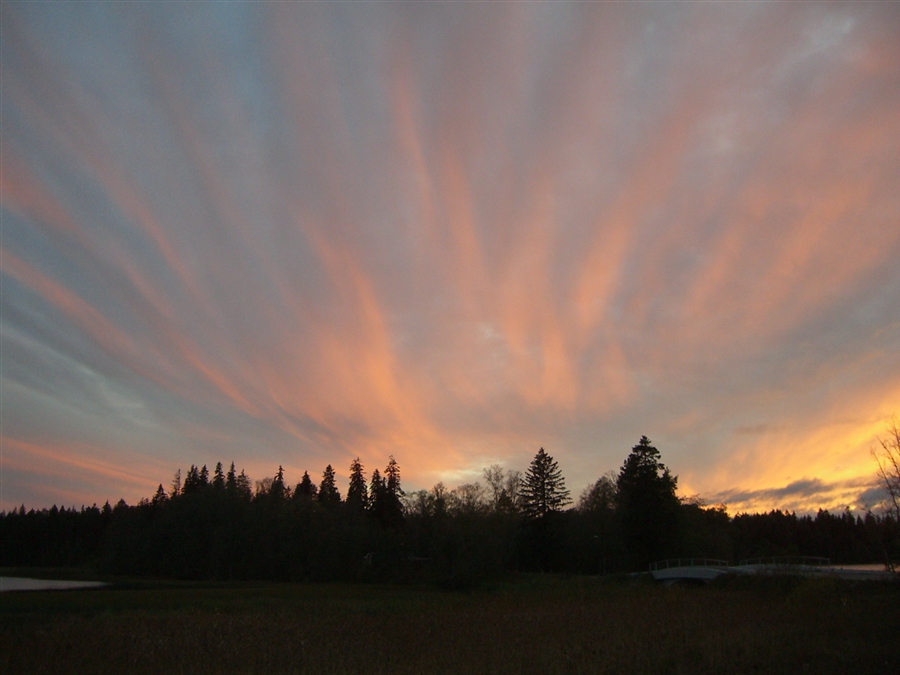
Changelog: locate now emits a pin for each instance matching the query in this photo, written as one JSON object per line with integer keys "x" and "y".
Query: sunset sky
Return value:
{"x": 276, "y": 233}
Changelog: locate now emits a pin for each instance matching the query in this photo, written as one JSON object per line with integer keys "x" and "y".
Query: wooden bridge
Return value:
{"x": 702, "y": 570}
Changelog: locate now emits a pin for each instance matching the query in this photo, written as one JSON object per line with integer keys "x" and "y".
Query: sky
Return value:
{"x": 293, "y": 234}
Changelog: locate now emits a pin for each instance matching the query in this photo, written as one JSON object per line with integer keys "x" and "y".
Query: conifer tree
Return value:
{"x": 231, "y": 480}
{"x": 306, "y": 489}
{"x": 160, "y": 497}
{"x": 328, "y": 491}
{"x": 176, "y": 484}
{"x": 242, "y": 483}
{"x": 218, "y": 477}
{"x": 646, "y": 504}
{"x": 392, "y": 479}
{"x": 357, "y": 494}
{"x": 376, "y": 493}
{"x": 191, "y": 481}
{"x": 543, "y": 488}
{"x": 277, "y": 488}
{"x": 384, "y": 495}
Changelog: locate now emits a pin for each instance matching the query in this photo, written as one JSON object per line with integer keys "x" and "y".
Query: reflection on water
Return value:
{"x": 24, "y": 584}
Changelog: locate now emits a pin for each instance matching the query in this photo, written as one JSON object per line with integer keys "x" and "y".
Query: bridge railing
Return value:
{"x": 687, "y": 562}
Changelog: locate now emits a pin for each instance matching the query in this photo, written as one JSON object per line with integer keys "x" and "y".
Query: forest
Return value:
{"x": 221, "y": 526}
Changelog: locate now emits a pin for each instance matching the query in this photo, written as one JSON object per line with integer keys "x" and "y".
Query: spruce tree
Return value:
{"x": 218, "y": 481}
{"x": 543, "y": 488}
{"x": 376, "y": 489}
{"x": 277, "y": 489}
{"x": 242, "y": 483}
{"x": 647, "y": 505}
{"x": 328, "y": 491}
{"x": 357, "y": 494}
{"x": 306, "y": 489}
{"x": 160, "y": 497}
{"x": 231, "y": 480}
{"x": 384, "y": 495}
{"x": 392, "y": 479}
{"x": 176, "y": 484}
{"x": 191, "y": 481}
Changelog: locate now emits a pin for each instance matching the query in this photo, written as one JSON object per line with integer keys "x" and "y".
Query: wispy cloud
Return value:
{"x": 294, "y": 234}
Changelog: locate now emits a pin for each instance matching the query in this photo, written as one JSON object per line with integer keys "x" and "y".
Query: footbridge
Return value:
{"x": 678, "y": 570}
{"x": 702, "y": 570}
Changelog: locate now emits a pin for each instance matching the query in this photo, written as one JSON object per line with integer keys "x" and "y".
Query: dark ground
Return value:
{"x": 530, "y": 624}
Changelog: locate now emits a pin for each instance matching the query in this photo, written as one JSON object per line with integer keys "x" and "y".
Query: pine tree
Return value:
{"x": 543, "y": 488}
{"x": 357, "y": 494}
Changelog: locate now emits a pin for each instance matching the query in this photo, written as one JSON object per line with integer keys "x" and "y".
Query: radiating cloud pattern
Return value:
{"x": 292, "y": 234}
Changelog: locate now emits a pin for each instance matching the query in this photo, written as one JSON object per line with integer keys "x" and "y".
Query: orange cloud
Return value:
{"x": 61, "y": 469}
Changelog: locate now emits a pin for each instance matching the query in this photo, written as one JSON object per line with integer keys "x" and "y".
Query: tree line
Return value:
{"x": 222, "y": 526}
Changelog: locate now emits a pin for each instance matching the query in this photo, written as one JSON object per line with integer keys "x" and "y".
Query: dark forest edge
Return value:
{"x": 220, "y": 527}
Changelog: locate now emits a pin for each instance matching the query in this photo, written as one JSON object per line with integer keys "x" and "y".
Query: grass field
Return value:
{"x": 534, "y": 624}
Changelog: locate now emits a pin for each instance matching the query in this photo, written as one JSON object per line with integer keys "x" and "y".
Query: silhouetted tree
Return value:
{"x": 242, "y": 484}
{"x": 543, "y": 488}
{"x": 888, "y": 460}
{"x": 393, "y": 492}
{"x": 600, "y": 496}
{"x": 231, "y": 480}
{"x": 218, "y": 477}
{"x": 503, "y": 488}
{"x": 160, "y": 497}
{"x": 392, "y": 478}
{"x": 384, "y": 502}
{"x": 468, "y": 499}
{"x": 191, "y": 481}
{"x": 376, "y": 491}
{"x": 328, "y": 491}
{"x": 306, "y": 489}
{"x": 357, "y": 493}
{"x": 277, "y": 490}
{"x": 647, "y": 505}
{"x": 439, "y": 500}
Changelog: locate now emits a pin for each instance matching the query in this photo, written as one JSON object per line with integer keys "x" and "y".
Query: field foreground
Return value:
{"x": 530, "y": 625}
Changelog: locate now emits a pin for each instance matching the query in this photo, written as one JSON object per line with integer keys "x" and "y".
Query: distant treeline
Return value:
{"x": 221, "y": 526}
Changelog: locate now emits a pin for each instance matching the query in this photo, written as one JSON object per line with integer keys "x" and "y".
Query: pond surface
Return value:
{"x": 25, "y": 584}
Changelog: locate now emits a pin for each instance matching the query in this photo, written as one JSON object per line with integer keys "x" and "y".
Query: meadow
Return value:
{"x": 528, "y": 624}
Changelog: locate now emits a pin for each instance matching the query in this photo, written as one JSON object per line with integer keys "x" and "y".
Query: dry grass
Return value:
{"x": 533, "y": 625}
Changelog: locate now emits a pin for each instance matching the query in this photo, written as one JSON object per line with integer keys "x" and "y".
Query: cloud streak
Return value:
{"x": 297, "y": 234}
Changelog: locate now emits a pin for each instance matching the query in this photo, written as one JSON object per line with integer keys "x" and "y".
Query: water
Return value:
{"x": 25, "y": 584}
